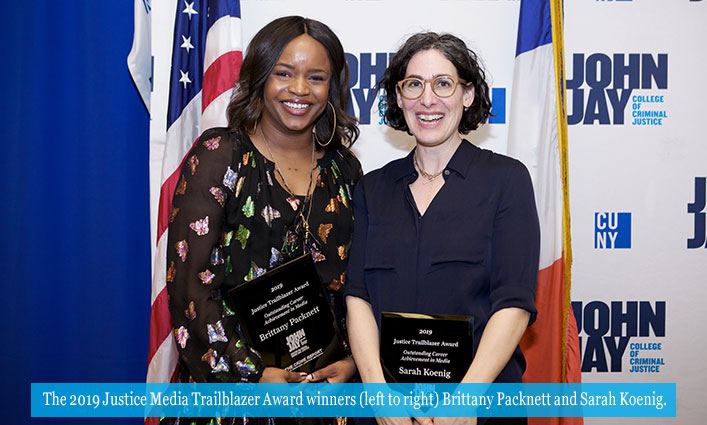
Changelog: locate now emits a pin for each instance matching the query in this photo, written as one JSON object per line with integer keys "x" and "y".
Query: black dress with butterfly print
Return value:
{"x": 228, "y": 224}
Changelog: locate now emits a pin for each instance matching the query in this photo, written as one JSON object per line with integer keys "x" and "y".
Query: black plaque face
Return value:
{"x": 426, "y": 348}
{"x": 286, "y": 317}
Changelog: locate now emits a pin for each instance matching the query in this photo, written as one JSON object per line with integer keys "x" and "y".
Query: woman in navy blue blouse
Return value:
{"x": 449, "y": 229}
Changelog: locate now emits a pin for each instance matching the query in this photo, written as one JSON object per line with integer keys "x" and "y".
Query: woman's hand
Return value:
{"x": 275, "y": 375}
{"x": 405, "y": 421}
{"x": 363, "y": 337}
{"x": 424, "y": 421}
{"x": 454, "y": 421}
{"x": 336, "y": 373}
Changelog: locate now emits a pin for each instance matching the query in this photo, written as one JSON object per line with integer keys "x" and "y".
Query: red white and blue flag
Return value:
{"x": 537, "y": 135}
{"x": 206, "y": 60}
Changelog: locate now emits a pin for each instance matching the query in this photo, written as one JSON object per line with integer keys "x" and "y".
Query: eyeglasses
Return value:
{"x": 442, "y": 86}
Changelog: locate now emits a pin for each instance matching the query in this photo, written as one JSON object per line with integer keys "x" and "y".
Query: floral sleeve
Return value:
{"x": 204, "y": 326}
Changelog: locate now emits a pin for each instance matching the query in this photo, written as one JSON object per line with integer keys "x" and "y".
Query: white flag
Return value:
{"x": 140, "y": 56}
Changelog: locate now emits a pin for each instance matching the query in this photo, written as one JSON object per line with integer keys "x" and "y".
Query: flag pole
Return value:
{"x": 556, "y": 14}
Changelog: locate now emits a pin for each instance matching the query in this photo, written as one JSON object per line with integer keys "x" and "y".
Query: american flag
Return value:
{"x": 537, "y": 135}
{"x": 206, "y": 60}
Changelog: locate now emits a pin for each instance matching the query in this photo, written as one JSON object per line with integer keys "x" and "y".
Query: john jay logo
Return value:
{"x": 602, "y": 87}
{"x": 368, "y": 68}
{"x": 606, "y": 332}
{"x": 698, "y": 209}
{"x": 295, "y": 342}
{"x": 612, "y": 230}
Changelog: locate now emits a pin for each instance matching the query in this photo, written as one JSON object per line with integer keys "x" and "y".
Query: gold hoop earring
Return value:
{"x": 333, "y": 129}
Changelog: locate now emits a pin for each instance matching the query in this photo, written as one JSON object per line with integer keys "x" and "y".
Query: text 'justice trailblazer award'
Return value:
{"x": 426, "y": 347}
{"x": 286, "y": 317}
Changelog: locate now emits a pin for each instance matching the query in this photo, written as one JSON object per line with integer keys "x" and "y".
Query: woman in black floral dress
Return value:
{"x": 275, "y": 184}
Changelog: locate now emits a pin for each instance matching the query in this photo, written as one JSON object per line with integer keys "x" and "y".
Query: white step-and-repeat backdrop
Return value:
{"x": 637, "y": 151}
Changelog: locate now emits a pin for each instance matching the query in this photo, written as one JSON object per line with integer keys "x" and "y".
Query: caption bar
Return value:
{"x": 355, "y": 400}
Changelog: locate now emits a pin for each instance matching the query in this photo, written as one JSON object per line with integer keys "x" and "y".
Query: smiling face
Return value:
{"x": 296, "y": 91}
{"x": 434, "y": 120}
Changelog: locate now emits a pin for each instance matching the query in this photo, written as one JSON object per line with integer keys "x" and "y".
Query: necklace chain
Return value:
{"x": 277, "y": 169}
{"x": 310, "y": 192}
{"x": 428, "y": 180}
{"x": 429, "y": 177}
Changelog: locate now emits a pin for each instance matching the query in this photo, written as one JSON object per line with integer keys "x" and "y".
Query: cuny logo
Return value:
{"x": 612, "y": 230}
{"x": 602, "y": 86}
{"x": 697, "y": 208}
{"x": 368, "y": 68}
{"x": 606, "y": 330}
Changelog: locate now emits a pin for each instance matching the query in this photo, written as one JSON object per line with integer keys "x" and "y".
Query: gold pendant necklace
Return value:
{"x": 429, "y": 177}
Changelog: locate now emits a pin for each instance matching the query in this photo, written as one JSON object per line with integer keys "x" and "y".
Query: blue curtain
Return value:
{"x": 75, "y": 259}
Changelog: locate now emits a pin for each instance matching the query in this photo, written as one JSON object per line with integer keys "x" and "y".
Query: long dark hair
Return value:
{"x": 246, "y": 105}
{"x": 464, "y": 60}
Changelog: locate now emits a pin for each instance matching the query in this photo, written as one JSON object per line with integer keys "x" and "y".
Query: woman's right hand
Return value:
{"x": 404, "y": 421}
{"x": 275, "y": 375}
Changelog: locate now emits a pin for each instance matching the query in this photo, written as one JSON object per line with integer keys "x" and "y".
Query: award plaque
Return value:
{"x": 285, "y": 315}
{"x": 426, "y": 348}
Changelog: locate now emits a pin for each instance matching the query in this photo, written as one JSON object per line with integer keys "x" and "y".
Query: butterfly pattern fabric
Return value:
{"x": 231, "y": 222}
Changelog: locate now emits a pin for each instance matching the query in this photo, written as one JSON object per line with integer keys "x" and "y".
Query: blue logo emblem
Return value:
{"x": 603, "y": 86}
{"x": 698, "y": 209}
{"x": 612, "y": 230}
